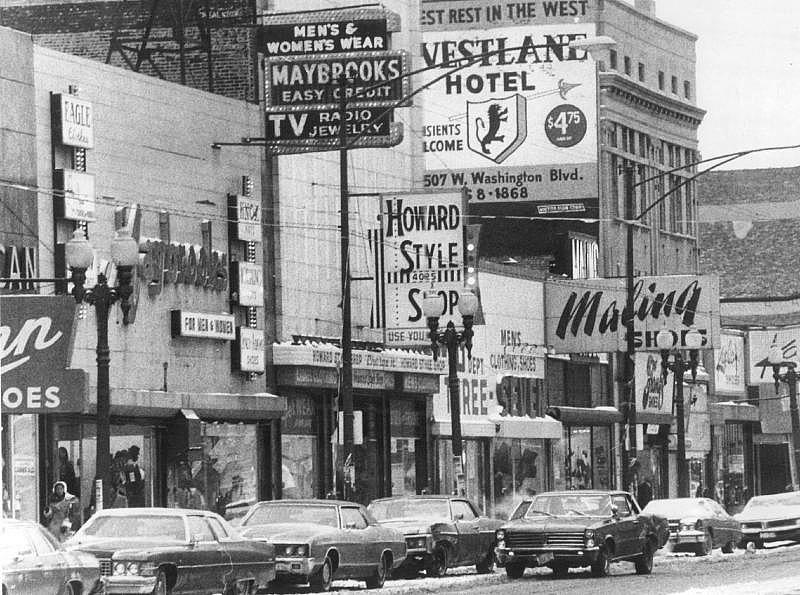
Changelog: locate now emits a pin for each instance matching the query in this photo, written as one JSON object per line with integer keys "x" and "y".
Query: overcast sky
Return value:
{"x": 748, "y": 75}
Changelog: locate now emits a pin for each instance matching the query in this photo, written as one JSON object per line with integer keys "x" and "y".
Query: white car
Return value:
{"x": 771, "y": 518}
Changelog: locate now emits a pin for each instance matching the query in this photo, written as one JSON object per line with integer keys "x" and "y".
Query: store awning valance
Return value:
{"x": 224, "y": 406}
{"x": 469, "y": 429}
{"x": 528, "y": 427}
{"x": 730, "y": 411}
{"x": 587, "y": 416}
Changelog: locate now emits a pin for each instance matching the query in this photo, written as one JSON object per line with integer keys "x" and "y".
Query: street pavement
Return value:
{"x": 772, "y": 571}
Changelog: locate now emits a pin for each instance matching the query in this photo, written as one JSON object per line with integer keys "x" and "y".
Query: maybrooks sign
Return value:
{"x": 519, "y": 124}
{"x": 35, "y": 336}
{"x": 588, "y": 315}
{"x": 423, "y": 247}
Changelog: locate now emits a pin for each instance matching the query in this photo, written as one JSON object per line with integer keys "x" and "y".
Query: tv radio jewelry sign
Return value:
{"x": 588, "y": 315}
{"x": 423, "y": 248}
{"x": 517, "y": 125}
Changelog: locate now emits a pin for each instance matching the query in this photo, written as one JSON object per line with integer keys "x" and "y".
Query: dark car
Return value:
{"x": 775, "y": 517}
{"x": 440, "y": 532}
{"x": 697, "y": 525}
{"x": 579, "y": 528}
{"x": 171, "y": 550}
{"x": 318, "y": 540}
{"x": 32, "y": 561}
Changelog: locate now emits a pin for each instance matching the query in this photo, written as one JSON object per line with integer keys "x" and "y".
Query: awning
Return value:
{"x": 770, "y": 438}
{"x": 730, "y": 411}
{"x": 223, "y": 406}
{"x": 528, "y": 427}
{"x": 469, "y": 428}
{"x": 588, "y": 416}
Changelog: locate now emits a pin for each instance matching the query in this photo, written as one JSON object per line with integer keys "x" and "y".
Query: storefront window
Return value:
{"x": 299, "y": 448}
{"x": 475, "y": 470}
{"x": 519, "y": 470}
{"x": 588, "y": 460}
{"x": 20, "y": 463}
{"x": 737, "y": 475}
{"x": 407, "y": 423}
{"x": 224, "y": 476}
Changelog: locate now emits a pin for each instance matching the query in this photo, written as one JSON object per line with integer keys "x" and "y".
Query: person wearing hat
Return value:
{"x": 134, "y": 479}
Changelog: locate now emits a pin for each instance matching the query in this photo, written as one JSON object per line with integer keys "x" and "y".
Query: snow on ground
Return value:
{"x": 782, "y": 586}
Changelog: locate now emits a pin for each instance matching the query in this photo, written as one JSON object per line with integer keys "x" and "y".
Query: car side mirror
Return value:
{"x": 459, "y": 516}
{"x": 350, "y": 526}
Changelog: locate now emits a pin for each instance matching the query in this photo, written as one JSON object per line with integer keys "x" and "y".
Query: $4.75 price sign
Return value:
{"x": 565, "y": 125}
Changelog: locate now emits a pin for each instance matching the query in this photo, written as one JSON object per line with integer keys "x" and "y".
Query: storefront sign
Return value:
{"x": 18, "y": 262}
{"x": 247, "y": 280}
{"x": 330, "y": 356}
{"x": 249, "y": 352}
{"x": 729, "y": 365}
{"x": 759, "y": 342}
{"x": 245, "y": 215}
{"x": 519, "y": 124}
{"x": 324, "y": 124}
{"x": 375, "y": 79}
{"x": 423, "y": 246}
{"x": 74, "y": 121}
{"x": 77, "y": 201}
{"x": 179, "y": 264}
{"x": 35, "y": 338}
{"x": 203, "y": 326}
{"x": 282, "y": 38}
{"x": 329, "y": 378}
{"x": 587, "y": 315}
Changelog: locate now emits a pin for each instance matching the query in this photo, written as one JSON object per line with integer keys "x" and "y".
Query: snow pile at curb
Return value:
{"x": 783, "y": 586}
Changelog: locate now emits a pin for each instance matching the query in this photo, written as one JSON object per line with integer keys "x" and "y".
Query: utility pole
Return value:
{"x": 629, "y": 409}
{"x": 346, "y": 380}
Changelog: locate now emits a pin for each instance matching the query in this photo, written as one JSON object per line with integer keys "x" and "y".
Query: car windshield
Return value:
{"x": 569, "y": 505}
{"x": 13, "y": 542}
{"x": 411, "y": 508}
{"x": 677, "y": 508}
{"x": 763, "y": 502}
{"x": 155, "y": 527}
{"x": 268, "y": 514}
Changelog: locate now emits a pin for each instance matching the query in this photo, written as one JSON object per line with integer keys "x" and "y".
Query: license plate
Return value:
{"x": 282, "y": 567}
{"x": 768, "y": 535}
{"x": 544, "y": 558}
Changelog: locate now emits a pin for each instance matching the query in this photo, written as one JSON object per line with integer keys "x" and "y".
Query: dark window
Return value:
{"x": 687, "y": 89}
{"x": 612, "y": 59}
{"x": 615, "y": 180}
{"x": 627, "y": 65}
{"x": 660, "y": 80}
{"x": 675, "y": 85}
{"x": 641, "y": 72}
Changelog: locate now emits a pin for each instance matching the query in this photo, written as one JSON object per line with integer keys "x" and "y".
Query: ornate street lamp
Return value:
{"x": 79, "y": 257}
{"x": 666, "y": 341}
{"x": 775, "y": 359}
{"x": 433, "y": 306}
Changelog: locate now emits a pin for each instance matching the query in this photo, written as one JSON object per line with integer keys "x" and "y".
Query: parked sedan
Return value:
{"x": 318, "y": 540}
{"x": 697, "y": 525}
{"x": 170, "y": 550}
{"x": 33, "y": 562}
{"x": 771, "y": 518}
{"x": 440, "y": 532}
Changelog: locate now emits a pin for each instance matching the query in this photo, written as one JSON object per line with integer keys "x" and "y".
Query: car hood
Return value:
{"x": 106, "y": 547}
{"x": 556, "y": 524}
{"x": 287, "y": 532}
{"x": 769, "y": 514}
{"x": 412, "y": 526}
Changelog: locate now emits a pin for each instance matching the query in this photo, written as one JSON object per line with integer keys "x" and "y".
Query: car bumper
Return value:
{"x": 129, "y": 584}
{"x": 787, "y": 533}
{"x": 296, "y": 569}
{"x": 541, "y": 556}
{"x": 417, "y": 558}
{"x": 686, "y": 538}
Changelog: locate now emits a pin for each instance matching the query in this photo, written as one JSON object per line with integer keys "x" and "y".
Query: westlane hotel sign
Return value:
{"x": 588, "y": 315}
{"x": 520, "y": 124}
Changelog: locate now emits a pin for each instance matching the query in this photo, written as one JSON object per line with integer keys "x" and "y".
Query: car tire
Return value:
{"x": 321, "y": 580}
{"x": 644, "y": 563}
{"x": 602, "y": 566}
{"x": 486, "y": 565}
{"x": 162, "y": 586}
{"x": 515, "y": 570}
{"x": 380, "y": 575}
{"x": 704, "y": 548}
{"x": 729, "y": 547}
{"x": 437, "y": 567}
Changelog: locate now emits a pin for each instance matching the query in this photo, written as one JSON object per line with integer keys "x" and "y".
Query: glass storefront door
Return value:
{"x": 588, "y": 458}
{"x": 520, "y": 469}
{"x": 20, "y": 462}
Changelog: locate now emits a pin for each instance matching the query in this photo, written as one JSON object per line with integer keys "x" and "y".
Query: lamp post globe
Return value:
{"x": 78, "y": 251}
{"x": 467, "y": 303}
{"x": 693, "y": 338}
{"x": 431, "y": 303}
{"x": 664, "y": 339}
{"x": 124, "y": 250}
{"x": 775, "y": 355}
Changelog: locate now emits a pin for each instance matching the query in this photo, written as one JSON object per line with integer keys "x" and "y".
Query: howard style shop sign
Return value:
{"x": 423, "y": 247}
{"x": 588, "y": 315}
{"x": 35, "y": 338}
{"x": 518, "y": 125}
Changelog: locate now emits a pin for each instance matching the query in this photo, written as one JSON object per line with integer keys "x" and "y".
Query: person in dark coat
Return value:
{"x": 134, "y": 479}
{"x": 644, "y": 493}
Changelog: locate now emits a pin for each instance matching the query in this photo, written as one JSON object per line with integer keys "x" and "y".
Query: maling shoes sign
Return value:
{"x": 35, "y": 337}
{"x": 588, "y": 315}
